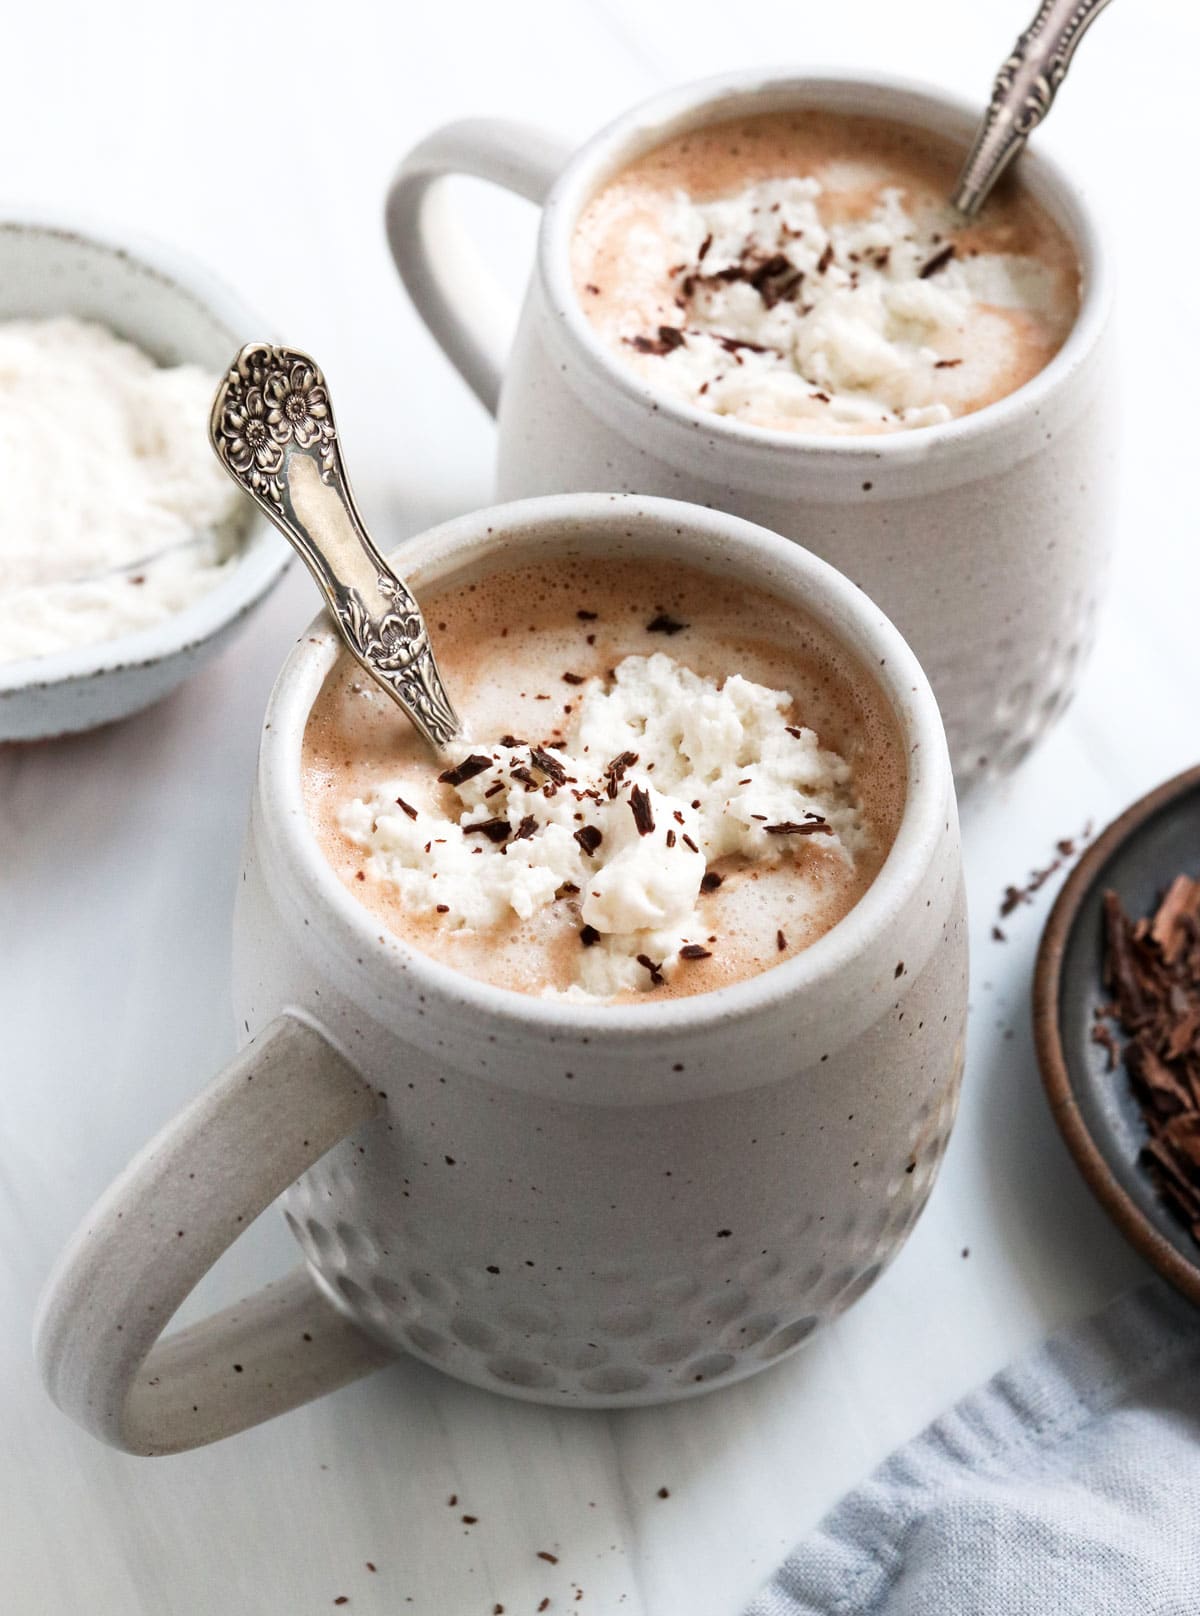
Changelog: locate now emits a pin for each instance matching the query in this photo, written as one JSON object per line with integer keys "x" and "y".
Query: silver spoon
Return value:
{"x": 1023, "y": 94}
{"x": 273, "y": 430}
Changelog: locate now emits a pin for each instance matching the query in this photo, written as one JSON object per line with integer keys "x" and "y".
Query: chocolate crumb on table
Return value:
{"x": 1066, "y": 848}
{"x": 1152, "y": 975}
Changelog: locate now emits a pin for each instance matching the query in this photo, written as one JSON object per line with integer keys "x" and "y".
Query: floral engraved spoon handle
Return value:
{"x": 1023, "y": 94}
{"x": 273, "y": 430}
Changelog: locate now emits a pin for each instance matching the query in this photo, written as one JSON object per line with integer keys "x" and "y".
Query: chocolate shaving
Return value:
{"x": 734, "y": 344}
{"x": 510, "y": 740}
{"x": 407, "y": 807}
{"x": 669, "y": 337}
{"x": 670, "y": 837}
{"x": 1152, "y": 975}
{"x": 939, "y": 261}
{"x": 780, "y": 941}
{"x": 826, "y": 258}
{"x": 466, "y": 770}
{"x": 789, "y": 827}
{"x": 525, "y": 829}
{"x": 548, "y": 765}
{"x": 589, "y": 936}
{"x": 695, "y": 951}
{"x": 656, "y": 977}
{"x": 702, "y": 252}
{"x": 946, "y": 364}
{"x": 496, "y": 830}
{"x": 615, "y": 770}
{"x": 710, "y": 881}
{"x": 585, "y": 616}
{"x": 665, "y": 624}
{"x": 643, "y": 813}
{"x": 572, "y": 678}
{"x": 688, "y": 842}
{"x": 589, "y": 838}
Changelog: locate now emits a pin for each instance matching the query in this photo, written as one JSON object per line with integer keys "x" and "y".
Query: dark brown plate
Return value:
{"x": 1138, "y": 856}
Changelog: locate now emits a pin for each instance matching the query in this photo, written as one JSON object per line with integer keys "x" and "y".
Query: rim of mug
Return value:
{"x": 839, "y": 607}
{"x": 695, "y": 104}
{"x": 261, "y": 557}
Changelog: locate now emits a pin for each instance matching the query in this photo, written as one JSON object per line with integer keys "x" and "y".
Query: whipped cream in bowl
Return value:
{"x": 126, "y": 558}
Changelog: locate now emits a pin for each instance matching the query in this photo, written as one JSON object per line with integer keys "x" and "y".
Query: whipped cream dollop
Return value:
{"x": 113, "y": 510}
{"x": 661, "y": 775}
{"x": 784, "y": 316}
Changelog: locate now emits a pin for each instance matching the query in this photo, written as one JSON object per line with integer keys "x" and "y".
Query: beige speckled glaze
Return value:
{"x": 593, "y": 1205}
{"x": 985, "y": 539}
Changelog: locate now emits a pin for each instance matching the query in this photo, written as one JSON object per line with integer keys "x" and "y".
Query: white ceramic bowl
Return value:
{"x": 172, "y": 307}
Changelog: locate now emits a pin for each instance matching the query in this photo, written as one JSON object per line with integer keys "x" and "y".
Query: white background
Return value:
{"x": 261, "y": 135}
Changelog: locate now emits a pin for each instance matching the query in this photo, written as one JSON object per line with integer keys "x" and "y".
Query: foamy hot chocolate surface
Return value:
{"x": 670, "y": 784}
{"x": 806, "y": 272}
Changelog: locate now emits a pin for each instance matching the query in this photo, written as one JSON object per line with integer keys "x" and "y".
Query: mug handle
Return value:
{"x": 278, "y": 1106}
{"x": 447, "y": 278}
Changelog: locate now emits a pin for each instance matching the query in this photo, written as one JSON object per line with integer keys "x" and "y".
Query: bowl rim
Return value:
{"x": 262, "y": 555}
{"x": 1178, "y": 1270}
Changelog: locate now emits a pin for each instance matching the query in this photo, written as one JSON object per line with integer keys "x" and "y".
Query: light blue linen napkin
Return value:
{"x": 1067, "y": 1486}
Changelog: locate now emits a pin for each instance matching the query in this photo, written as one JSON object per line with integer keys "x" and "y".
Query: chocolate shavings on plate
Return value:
{"x": 1152, "y": 972}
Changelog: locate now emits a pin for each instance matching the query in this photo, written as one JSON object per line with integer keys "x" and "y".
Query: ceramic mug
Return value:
{"x": 986, "y": 539}
{"x": 573, "y": 1203}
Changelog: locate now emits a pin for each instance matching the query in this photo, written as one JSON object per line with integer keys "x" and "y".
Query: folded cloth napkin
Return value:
{"x": 1068, "y": 1486}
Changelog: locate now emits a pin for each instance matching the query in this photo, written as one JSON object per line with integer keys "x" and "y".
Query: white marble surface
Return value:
{"x": 261, "y": 136}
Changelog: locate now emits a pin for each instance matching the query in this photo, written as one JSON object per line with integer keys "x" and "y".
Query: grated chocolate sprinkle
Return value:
{"x": 664, "y": 623}
{"x": 656, "y": 977}
{"x": 939, "y": 261}
{"x": 496, "y": 830}
{"x": 466, "y": 770}
{"x": 589, "y": 838}
{"x": 643, "y": 813}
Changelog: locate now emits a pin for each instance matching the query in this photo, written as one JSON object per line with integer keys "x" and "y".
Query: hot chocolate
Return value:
{"x": 669, "y": 786}
{"x": 805, "y": 272}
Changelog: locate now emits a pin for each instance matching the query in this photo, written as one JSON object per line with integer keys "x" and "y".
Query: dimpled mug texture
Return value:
{"x": 561, "y": 1215}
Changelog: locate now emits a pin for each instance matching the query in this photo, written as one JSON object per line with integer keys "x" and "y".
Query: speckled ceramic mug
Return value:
{"x": 986, "y": 539}
{"x": 577, "y": 1204}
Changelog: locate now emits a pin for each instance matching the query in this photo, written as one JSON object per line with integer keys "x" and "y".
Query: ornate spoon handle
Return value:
{"x": 1023, "y": 94}
{"x": 273, "y": 430}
